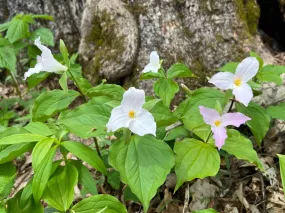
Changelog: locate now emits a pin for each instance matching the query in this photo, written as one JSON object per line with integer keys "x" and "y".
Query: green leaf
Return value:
{"x": 178, "y": 132}
{"x": 229, "y": 67}
{"x": 271, "y": 73}
{"x": 59, "y": 192}
{"x": 14, "y": 205}
{"x": 129, "y": 195}
{"x": 260, "y": 120}
{"x": 2, "y": 208}
{"x": 4, "y": 42}
{"x": 45, "y": 34}
{"x": 84, "y": 85}
{"x": 206, "y": 211}
{"x": 63, "y": 82}
{"x": 36, "y": 79}
{"x": 143, "y": 164}
{"x": 11, "y": 152}
{"x": 277, "y": 111}
{"x": 8, "y": 58}
{"x": 7, "y": 177}
{"x": 282, "y": 169}
{"x": 114, "y": 179}
{"x": 51, "y": 102}
{"x": 89, "y": 119}
{"x": 85, "y": 178}
{"x": 152, "y": 75}
{"x": 40, "y": 151}
{"x": 64, "y": 52}
{"x": 18, "y": 28}
{"x": 260, "y": 61}
{"x": 189, "y": 112}
{"x": 86, "y": 154}
{"x": 43, "y": 173}
{"x": 179, "y": 71}
{"x": 97, "y": 203}
{"x": 195, "y": 159}
{"x": 241, "y": 147}
{"x": 112, "y": 91}
{"x": 166, "y": 90}
{"x": 4, "y": 26}
{"x": 20, "y": 138}
{"x": 162, "y": 114}
{"x": 26, "y": 194}
{"x": 38, "y": 128}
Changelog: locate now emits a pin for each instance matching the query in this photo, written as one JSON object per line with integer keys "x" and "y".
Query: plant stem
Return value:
{"x": 16, "y": 84}
{"x": 127, "y": 135}
{"x": 97, "y": 147}
{"x": 232, "y": 104}
{"x": 76, "y": 83}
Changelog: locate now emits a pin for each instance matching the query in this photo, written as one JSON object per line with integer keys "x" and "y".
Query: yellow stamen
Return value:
{"x": 132, "y": 114}
{"x": 237, "y": 82}
{"x": 217, "y": 123}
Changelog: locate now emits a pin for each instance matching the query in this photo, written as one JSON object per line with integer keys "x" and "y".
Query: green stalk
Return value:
{"x": 16, "y": 84}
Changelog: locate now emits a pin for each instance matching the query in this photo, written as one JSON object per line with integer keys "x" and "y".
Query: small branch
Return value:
{"x": 186, "y": 200}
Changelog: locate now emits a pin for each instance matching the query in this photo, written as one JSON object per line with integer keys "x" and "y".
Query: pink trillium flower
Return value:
{"x": 130, "y": 114}
{"x": 245, "y": 71}
{"x": 219, "y": 122}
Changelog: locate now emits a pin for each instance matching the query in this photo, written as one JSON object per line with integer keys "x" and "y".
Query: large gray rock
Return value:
{"x": 109, "y": 41}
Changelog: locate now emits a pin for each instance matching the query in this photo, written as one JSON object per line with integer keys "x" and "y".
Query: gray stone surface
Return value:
{"x": 109, "y": 43}
{"x": 67, "y": 16}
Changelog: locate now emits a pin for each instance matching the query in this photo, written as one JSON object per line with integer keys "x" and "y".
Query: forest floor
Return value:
{"x": 239, "y": 186}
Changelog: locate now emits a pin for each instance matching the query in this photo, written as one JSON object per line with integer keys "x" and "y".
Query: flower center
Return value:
{"x": 237, "y": 82}
{"x": 217, "y": 123}
{"x": 132, "y": 114}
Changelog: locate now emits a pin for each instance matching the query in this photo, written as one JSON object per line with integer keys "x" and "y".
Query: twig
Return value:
{"x": 186, "y": 200}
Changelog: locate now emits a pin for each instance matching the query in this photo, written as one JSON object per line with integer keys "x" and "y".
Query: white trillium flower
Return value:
{"x": 45, "y": 62}
{"x": 130, "y": 114}
{"x": 154, "y": 63}
{"x": 245, "y": 71}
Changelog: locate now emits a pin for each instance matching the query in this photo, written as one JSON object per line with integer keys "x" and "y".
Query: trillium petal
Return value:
{"x": 223, "y": 80}
{"x": 209, "y": 115}
{"x": 31, "y": 71}
{"x": 235, "y": 119}
{"x": 52, "y": 65}
{"x": 154, "y": 58}
{"x": 220, "y": 135}
{"x": 46, "y": 52}
{"x": 150, "y": 68}
{"x": 143, "y": 124}
{"x": 133, "y": 99}
{"x": 243, "y": 93}
{"x": 247, "y": 69}
{"x": 118, "y": 119}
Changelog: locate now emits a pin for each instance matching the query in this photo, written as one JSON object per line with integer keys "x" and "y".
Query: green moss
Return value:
{"x": 249, "y": 13}
{"x": 252, "y": 15}
{"x": 107, "y": 42}
{"x": 135, "y": 8}
{"x": 219, "y": 38}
